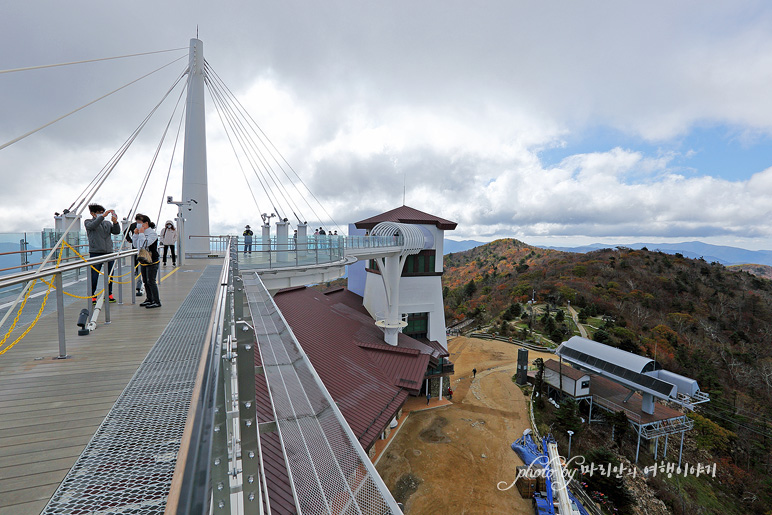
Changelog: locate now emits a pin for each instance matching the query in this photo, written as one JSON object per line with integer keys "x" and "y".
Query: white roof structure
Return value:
{"x": 621, "y": 366}
{"x": 638, "y": 373}
{"x": 627, "y": 360}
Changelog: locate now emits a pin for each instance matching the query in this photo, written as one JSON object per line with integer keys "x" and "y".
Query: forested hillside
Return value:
{"x": 701, "y": 320}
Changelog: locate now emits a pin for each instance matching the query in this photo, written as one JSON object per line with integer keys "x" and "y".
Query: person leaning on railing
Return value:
{"x": 98, "y": 231}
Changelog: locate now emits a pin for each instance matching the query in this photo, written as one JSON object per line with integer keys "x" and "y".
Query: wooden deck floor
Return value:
{"x": 50, "y": 408}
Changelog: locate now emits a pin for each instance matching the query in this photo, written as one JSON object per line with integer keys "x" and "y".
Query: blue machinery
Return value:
{"x": 556, "y": 499}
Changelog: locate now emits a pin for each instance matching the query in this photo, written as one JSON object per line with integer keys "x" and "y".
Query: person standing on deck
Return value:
{"x": 428, "y": 397}
{"x": 137, "y": 269}
{"x": 247, "y": 239}
{"x": 146, "y": 237}
{"x": 168, "y": 240}
{"x": 99, "y": 232}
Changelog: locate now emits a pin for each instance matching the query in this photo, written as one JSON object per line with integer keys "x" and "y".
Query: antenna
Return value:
{"x": 196, "y": 30}
{"x": 404, "y": 186}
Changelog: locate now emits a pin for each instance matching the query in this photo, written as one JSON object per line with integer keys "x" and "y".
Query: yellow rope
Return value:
{"x": 17, "y": 340}
{"x": 21, "y": 308}
{"x": 16, "y": 319}
{"x": 51, "y": 285}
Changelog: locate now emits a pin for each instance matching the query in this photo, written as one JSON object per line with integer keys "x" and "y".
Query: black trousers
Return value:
{"x": 174, "y": 254}
{"x": 95, "y": 275}
{"x": 149, "y": 274}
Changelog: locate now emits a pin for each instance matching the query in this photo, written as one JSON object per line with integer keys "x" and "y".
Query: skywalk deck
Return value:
{"x": 50, "y": 409}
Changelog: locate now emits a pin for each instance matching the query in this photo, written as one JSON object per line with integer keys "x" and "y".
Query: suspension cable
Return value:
{"x": 85, "y": 105}
{"x": 12, "y": 70}
{"x": 238, "y": 159}
{"x": 171, "y": 160}
{"x": 260, "y": 154}
{"x": 251, "y": 153}
{"x": 146, "y": 178}
{"x": 87, "y": 196}
{"x": 107, "y": 170}
{"x": 235, "y": 99}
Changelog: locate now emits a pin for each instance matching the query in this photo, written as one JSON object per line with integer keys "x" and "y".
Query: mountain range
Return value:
{"x": 691, "y": 249}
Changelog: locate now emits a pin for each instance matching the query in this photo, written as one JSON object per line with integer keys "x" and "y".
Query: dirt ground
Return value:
{"x": 450, "y": 459}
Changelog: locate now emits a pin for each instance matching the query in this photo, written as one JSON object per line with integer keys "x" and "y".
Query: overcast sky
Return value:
{"x": 558, "y": 123}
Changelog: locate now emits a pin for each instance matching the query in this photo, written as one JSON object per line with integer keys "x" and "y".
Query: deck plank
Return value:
{"x": 50, "y": 408}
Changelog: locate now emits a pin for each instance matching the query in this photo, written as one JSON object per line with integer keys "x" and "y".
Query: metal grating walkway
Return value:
{"x": 127, "y": 466}
{"x": 329, "y": 470}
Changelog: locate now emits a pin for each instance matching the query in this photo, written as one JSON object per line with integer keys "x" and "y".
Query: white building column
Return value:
{"x": 392, "y": 323}
{"x": 302, "y": 243}
{"x": 265, "y": 242}
{"x": 282, "y": 241}
{"x": 440, "y": 387}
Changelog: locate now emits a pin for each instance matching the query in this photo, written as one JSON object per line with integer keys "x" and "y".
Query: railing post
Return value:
{"x": 107, "y": 271}
{"x": 89, "y": 305}
{"x": 221, "y": 492}
{"x": 245, "y": 370}
{"x": 60, "y": 316}
{"x": 120, "y": 283}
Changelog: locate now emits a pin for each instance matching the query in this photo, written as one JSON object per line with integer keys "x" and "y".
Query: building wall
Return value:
{"x": 570, "y": 386}
{"x": 416, "y": 295}
{"x": 553, "y": 378}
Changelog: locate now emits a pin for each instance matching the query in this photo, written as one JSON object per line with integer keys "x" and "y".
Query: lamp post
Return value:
{"x": 570, "y": 434}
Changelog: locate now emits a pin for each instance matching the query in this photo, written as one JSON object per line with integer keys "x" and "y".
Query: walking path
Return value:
{"x": 51, "y": 408}
{"x": 575, "y": 316}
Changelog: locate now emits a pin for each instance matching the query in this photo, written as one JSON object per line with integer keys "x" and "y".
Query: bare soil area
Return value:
{"x": 453, "y": 458}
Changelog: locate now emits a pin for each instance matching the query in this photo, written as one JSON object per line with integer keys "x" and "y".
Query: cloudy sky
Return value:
{"x": 558, "y": 123}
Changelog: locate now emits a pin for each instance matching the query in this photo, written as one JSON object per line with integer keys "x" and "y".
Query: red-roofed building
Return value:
{"x": 420, "y": 281}
{"x": 407, "y": 215}
{"x": 368, "y": 378}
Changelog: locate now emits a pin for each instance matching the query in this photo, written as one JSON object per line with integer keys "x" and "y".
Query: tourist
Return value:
{"x": 450, "y": 393}
{"x": 146, "y": 237}
{"x": 428, "y": 397}
{"x": 247, "y": 239}
{"x": 99, "y": 232}
{"x": 137, "y": 269}
{"x": 474, "y": 373}
{"x": 168, "y": 240}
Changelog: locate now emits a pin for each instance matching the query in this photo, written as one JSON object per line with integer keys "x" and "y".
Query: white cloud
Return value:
{"x": 454, "y": 100}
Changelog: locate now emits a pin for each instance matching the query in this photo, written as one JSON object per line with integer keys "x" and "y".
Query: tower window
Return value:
{"x": 417, "y": 325}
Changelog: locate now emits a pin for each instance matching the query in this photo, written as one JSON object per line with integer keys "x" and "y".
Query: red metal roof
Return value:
{"x": 407, "y": 215}
{"x": 369, "y": 384}
{"x": 348, "y": 299}
{"x": 277, "y": 477}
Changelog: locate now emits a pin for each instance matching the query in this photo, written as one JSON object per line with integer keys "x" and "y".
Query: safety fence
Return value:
{"x": 224, "y": 465}
{"x": 278, "y": 252}
{"x": 52, "y": 277}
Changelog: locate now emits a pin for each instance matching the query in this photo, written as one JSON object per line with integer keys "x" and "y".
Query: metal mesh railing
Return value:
{"x": 329, "y": 470}
{"x": 127, "y": 466}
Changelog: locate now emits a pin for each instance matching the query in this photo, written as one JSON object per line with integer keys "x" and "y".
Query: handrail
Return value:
{"x": 190, "y": 488}
{"x": 23, "y": 277}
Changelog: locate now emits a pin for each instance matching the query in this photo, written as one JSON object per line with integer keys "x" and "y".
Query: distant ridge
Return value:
{"x": 460, "y": 246}
{"x": 690, "y": 249}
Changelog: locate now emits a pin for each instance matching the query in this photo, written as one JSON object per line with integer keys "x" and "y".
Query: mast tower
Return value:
{"x": 195, "y": 191}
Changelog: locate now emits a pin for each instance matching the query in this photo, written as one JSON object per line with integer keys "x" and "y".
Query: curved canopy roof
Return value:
{"x": 621, "y": 358}
{"x": 633, "y": 371}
